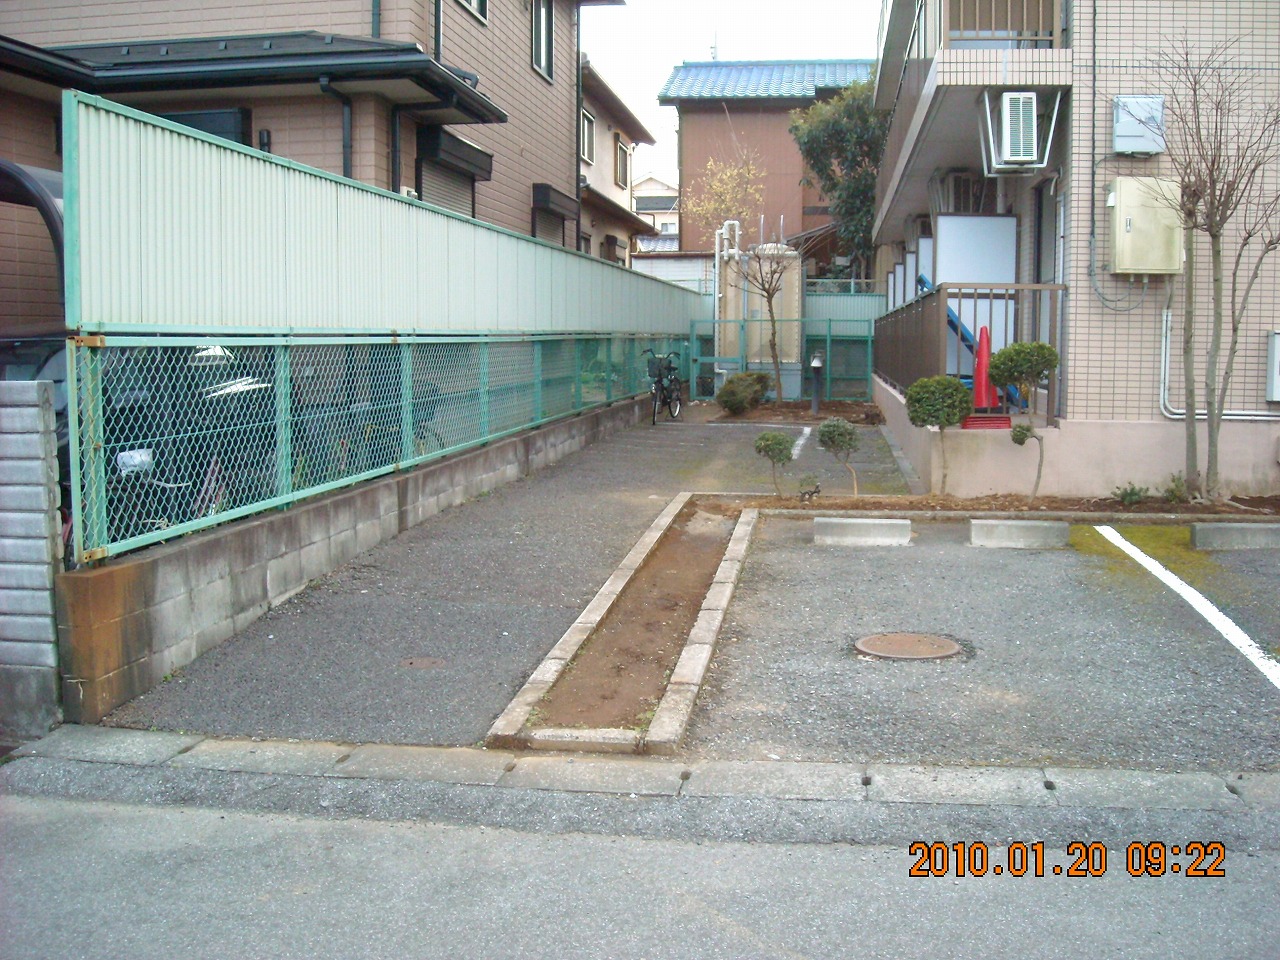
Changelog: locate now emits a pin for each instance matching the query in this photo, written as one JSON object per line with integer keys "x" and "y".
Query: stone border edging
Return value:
{"x": 506, "y": 730}
{"x": 670, "y": 720}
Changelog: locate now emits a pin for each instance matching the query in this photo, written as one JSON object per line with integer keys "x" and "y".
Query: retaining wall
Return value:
{"x": 124, "y": 626}
{"x": 30, "y": 553}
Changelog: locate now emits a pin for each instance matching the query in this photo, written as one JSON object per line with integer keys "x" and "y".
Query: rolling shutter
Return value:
{"x": 447, "y": 188}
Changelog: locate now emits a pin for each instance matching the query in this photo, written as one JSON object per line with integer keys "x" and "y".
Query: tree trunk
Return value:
{"x": 1191, "y": 469}
{"x": 1035, "y": 490}
{"x": 849, "y": 467}
{"x": 942, "y": 448}
{"x": 773, "y": 350}
{"x": 1212, "y": 407}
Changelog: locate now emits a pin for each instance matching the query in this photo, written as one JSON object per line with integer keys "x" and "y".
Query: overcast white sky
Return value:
{"x": 635, "y": 47}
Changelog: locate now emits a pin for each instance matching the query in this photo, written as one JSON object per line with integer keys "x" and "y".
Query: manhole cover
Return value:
{"x": 907, "y": 646}
{"x": 423, "y": 663}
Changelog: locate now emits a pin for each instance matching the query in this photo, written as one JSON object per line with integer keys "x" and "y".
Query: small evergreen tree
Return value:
{"x": 775, "y": 447}
{"x": 839, "y": 438}
{"x": 940, "y": 402}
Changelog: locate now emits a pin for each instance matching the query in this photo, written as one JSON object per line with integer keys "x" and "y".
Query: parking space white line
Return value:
{"x": 1201, "y": 604}
{"x": 799, "y": 444}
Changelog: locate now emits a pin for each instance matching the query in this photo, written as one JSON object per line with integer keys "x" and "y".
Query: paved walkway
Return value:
{"x": 425, "y": 639}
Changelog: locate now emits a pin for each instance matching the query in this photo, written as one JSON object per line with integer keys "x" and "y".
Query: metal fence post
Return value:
{"x": 88, "y": 454}
{"x": 830, "y": 366}
{"x": 577, "y": 374}
{"x": 537, "y": 381}
{"x": 284, "y": 419}
{"x": 484, "y": 389}
{"x": 608, "y": 370}
{"x": 407, "y": 451}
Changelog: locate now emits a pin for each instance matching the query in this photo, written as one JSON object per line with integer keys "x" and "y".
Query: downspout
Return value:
{"x": 376, "y": 31}
{"x": 346, "y": 123}
{"x": 395, "y": 147}
{"x": 438, "y": 38}
{"x": 577, "y": 162}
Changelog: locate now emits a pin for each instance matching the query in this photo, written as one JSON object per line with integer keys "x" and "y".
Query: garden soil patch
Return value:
{"x": 800, "y": 411}
{"x": 621, "y": 672}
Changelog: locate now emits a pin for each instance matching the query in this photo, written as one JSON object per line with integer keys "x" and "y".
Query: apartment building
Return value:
{"x": 471, "y": 103}
{"x": 1019, "y": 192}
{"x": 610, "y": 133}
{"x": 731, "y": 108}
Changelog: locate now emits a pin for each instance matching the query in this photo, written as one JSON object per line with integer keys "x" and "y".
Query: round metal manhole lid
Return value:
{"x": 908, "y": 646}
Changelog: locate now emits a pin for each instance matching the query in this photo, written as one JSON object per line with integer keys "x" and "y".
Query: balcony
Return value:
{"x": 937, "y": 333}
{"x": 935, "y": 58}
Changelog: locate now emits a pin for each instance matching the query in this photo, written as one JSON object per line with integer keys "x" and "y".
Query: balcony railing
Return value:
{"x": 938, "y": 333}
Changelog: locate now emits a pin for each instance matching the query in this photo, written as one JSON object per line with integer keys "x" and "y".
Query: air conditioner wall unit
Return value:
{"x": 409, "y": 192}
{"x": 1019, "y": 138}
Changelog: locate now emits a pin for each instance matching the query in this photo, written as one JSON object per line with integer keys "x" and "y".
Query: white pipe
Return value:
{"x": 1176, "y": 413}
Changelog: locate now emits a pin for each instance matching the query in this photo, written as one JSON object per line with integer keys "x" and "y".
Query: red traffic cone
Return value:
{"x": 984, "y": 391}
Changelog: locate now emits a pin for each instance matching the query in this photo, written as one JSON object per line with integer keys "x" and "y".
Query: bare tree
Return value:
{"x": 1224, "y": 145}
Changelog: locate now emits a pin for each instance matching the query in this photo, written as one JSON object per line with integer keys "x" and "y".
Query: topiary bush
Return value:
{"x": 1023, "y": 365}
{"x": 839, "y": 438}
{"x": 940, "y": 402}
{"x": 775, "y": 447}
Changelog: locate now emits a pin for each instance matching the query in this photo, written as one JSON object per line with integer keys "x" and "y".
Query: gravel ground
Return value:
{"x": 479, "y": 594}
{"x": 1072, "y": 659}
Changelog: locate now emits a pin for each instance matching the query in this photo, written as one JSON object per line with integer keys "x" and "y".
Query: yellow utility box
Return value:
{"x": 1146, "y": 230}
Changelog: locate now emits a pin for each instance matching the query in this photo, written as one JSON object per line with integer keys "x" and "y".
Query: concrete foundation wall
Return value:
{"x": 1087, "y": 458}
{"x": 124, "y": 626}
{"x": 30, "y": 552}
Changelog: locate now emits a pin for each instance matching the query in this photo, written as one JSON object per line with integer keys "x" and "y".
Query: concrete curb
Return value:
{"x": 1019, "y": 534}
{"x": 860, "y": 532}
{"x": 509, "y": 729}
{"x": 890, "y": 784}
{"x": 1235, "y": 536}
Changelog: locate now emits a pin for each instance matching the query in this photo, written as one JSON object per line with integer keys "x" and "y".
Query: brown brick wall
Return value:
{"x": 30, "y": 298}
{"x": 760, "y": 126}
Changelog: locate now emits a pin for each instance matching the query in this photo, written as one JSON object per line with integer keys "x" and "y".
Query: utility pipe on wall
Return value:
{"x": 1176, "y": 413}
{"x": 346, "y": 123}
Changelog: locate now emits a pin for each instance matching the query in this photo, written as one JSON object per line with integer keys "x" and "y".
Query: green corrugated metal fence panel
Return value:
{"x": 171, "y": 230}
{"x": 173, "y": 434}
{"x": 844, "y": 306}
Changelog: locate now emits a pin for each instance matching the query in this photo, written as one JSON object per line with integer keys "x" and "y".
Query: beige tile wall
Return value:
{"x": 1115, "y": 368}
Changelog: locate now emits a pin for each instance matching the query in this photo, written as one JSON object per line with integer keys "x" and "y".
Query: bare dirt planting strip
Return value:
{"x": 613, "y": 683}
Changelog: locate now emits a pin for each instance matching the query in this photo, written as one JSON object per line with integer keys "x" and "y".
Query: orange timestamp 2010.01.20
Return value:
{"x": 1143, "y": 858}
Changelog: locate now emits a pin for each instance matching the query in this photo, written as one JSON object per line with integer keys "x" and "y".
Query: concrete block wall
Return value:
{"x": 30, "y": 553}
{"x": 123, "y": 626}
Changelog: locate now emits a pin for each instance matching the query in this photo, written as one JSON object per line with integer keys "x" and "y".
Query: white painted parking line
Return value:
{"x": 799, "y": 444}
{"x": 1200, "y": 603}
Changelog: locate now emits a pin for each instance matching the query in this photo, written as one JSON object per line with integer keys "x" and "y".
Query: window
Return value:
{"x": 543, "y": 37}
{"x": 669, "y": 227}
{"x": 584, "y": 243}
{"x": 588, "y": 137}
{"x": 622, "y": 161}
{"x": 479, "y": 7}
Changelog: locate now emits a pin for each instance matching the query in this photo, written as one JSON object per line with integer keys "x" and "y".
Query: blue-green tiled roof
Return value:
{"x": 725, "y": 79}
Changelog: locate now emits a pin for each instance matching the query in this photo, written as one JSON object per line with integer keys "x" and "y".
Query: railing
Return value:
{"x": 1001, "y": 24}
{"x": 938, "y": 333}
{"x": 179, "y": 433}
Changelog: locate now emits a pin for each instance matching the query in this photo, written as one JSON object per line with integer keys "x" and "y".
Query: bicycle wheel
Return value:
{"x": 657, "y": 402}
{"x": 673, "y": 403}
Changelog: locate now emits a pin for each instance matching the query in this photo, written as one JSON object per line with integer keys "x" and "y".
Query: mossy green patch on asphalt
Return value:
{"x": 1086, "y": 540}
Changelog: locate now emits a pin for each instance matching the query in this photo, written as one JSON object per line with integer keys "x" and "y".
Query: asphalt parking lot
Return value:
{"x": 1073, "y": 657}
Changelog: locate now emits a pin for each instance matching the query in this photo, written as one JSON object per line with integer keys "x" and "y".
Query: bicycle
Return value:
{"x": 665, "y": 388}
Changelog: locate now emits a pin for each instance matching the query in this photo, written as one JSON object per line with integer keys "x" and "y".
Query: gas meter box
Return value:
{"x": 1146, "y": 230}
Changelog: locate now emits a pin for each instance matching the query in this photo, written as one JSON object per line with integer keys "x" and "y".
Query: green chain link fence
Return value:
{"x": 173, "y": 434}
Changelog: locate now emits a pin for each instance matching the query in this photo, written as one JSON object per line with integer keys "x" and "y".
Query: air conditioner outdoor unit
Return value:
{"x": 409, "y": 192}
{"x": 1019, "y": 139}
